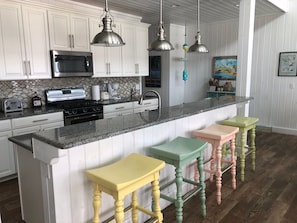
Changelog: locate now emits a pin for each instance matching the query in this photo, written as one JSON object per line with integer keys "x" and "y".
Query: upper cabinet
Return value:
{"x": 107, "y": 60}
{"x": 68, "y": 31}
{"x": 24, "y": 42}
{"x": 128, "y": 60}
{"x": 135, "y": 53}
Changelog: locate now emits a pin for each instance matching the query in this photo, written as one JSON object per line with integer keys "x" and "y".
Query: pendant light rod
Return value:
{"x": 106, "y": 6}
{"x": 161, "y": 13}
{"x": 198, "y": 16}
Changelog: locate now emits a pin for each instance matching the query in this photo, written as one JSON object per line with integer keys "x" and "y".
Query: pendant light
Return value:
{"x": 198, "y": 46}
{"x": 161, "y": 44}
{"x": 107, "y": 37}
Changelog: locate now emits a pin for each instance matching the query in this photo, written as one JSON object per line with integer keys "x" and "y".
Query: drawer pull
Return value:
{"x": 119, "y": 108}
{"x": 41, "y": 120}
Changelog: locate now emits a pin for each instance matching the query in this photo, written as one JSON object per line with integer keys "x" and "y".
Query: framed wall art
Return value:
{"x": 225, "y": 67}
{"x": 287, "y": 64}
{"x": 154, "y": 78}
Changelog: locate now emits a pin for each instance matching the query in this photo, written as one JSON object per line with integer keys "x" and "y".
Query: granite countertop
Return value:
{"x": 24, "y": 141}
{"x": 74, "y": 135}
{"x": 28, "y": 112}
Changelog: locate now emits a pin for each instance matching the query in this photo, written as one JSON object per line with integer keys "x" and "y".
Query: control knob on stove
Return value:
{"x": 74, "y": 111}
{"x": 85, "y": 110}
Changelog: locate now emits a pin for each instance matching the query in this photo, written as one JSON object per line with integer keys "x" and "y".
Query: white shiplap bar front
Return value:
{"x": 68, "y": 194}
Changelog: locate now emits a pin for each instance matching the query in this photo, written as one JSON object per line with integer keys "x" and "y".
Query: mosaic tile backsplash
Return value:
{"x": 25, "y": 89}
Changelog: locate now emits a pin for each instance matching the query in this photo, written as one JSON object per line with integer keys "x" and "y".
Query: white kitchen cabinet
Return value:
{"x": 36, "y": 123}
{"x": 7, "y": 163}
{"x": 126, "y": 108}
{"x": 68, "y": 31}
{"x": 107, "y": 60}
{"x": 119, "y": 109}
{"x": 135, "y": 53}
{"x": 24, "y": 42}
{"x": 147, "y": 105}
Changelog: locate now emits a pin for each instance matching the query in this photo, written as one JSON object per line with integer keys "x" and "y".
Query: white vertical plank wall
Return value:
{"x": 72, "y": 192}
{"x": 275, "y": 101}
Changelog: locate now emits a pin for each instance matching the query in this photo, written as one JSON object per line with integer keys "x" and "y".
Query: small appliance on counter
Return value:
{"x": 11, "y": 105}
{"x": 104, "y": 94}
{"x": 36, "y": 101}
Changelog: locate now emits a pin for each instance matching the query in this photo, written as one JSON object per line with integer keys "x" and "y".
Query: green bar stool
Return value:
{"x": 180, "y": 152}
{"x": 245, "y": 125}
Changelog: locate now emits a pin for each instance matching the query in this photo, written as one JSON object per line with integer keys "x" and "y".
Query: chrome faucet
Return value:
{"x": 152, "y": 91}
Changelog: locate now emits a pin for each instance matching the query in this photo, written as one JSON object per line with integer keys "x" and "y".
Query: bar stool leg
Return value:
{"x": 134, "y": 209}
{"x": 219, "y": 174}
{"x": 242, "y": 155}
{"x": 253, "y": 147}
{"x": 179, "y": 201}
{"x": 119, "y": 210}
{"x": 202, "y": 185}
{"x": 156, "y": 200}
{"x": 96, "y": 202}
{"x": 233, "y": 168}
{"x": 212, "y": 162}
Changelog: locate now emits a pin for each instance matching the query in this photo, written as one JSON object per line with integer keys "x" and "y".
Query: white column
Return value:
{"x": 245, "y": 51}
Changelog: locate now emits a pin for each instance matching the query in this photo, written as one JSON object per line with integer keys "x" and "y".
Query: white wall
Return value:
{"x": 275, "y": 101}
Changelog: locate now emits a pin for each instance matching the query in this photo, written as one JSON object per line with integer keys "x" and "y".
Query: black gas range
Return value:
{"x": 76, "y": 108}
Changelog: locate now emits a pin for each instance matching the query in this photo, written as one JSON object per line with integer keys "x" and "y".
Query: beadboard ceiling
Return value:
{"x": 182, "y": 11}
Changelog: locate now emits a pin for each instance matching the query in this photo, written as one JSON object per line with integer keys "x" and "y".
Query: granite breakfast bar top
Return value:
{"x": 83, "y": 133}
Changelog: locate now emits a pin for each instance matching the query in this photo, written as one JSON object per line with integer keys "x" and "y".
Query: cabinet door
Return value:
{"x": 68, "y": 31}
{"x": 36, "y": 42}
{"x": 12, "y": 51}
{"x": 7, "y": 163}
{"x": 80, "y": 33}
{"x": 128, "y": 50}
{"x": 135, "y": 53}
{"x": 141, "y": 52}
{"x": 59, "y": 30}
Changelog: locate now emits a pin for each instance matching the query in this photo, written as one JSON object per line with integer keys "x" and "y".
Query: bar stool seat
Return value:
{"x": 218, "y": 135}
{"x": 180, "y": 152}
{"x": 124, "y": 177}
{"x": 245, "y": 125}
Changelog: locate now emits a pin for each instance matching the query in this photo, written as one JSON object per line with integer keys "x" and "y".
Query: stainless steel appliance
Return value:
{"x": 11, "y": 105}
{"x": 76, "y": 108}
{"x": 71, "y": 64}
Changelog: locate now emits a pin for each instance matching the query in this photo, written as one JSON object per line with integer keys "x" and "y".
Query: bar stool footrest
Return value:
{"x": 187, "y": 195}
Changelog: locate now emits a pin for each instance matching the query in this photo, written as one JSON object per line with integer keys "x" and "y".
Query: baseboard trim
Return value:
{"x": 286, "y": 131}
{"x": 263, "y": 129}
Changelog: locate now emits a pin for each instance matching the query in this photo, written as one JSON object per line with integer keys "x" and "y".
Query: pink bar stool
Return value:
{"x": 218, "y": 135}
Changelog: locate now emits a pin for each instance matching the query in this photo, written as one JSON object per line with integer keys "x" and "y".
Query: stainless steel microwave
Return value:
{"x": 71, "y": 64}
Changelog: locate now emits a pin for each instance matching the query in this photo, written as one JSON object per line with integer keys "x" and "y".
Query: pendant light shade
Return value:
{"x": 161, "y": 44}
{"x": 198, "y": 46}
{"x": 107, "y": 37}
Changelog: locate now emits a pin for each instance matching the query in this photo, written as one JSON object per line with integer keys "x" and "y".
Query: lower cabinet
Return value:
{"x": 7, "y": 164}
{"x": 126, "y": 108}
{"x": 21, "y": 126}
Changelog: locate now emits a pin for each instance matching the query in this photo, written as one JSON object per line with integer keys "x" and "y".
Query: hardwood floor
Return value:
{"x": 267, "y": 195}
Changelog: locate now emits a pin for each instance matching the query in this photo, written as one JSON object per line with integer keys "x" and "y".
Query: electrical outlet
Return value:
{"x": 292, "y": 86}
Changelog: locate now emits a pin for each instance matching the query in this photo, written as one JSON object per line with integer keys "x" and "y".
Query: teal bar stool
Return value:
{"x": 180, "y": 152}
{"x": 245, "y": 125}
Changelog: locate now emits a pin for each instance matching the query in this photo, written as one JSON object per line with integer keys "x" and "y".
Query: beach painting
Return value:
{"x": 225, "y": 67}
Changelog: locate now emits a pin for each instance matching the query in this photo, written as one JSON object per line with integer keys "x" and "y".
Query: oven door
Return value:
{"x": 71, "y": 120}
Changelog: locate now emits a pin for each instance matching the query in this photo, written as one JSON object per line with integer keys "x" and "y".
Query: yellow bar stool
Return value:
{"x": 218, "y": 135}
{"x": 245, "y": 125}
{"x": 125, "y": 177}
{"x": 178, "y": 153}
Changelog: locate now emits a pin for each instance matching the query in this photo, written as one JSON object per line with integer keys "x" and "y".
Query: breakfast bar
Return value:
{"x": 64, "y": 154}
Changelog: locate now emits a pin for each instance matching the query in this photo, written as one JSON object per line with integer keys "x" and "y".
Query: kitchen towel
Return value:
{"x": 96, "y": 92}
